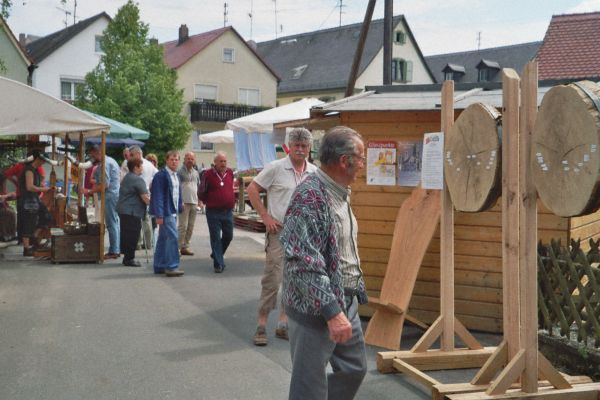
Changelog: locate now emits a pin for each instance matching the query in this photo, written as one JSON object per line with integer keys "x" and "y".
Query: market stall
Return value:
{"x": 28, "y": 112}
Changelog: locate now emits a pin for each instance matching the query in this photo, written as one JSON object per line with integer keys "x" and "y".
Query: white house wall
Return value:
{"x": 73, "y": 60}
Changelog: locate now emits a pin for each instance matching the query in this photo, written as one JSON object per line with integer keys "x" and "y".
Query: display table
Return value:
{"x": 75, "y": 248}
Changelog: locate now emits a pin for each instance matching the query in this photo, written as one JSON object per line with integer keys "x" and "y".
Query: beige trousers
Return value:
{"x": 272, "y": 275}
{"x": 185, "y": 228}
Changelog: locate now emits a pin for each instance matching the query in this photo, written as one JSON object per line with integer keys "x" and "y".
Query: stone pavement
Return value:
{"x": 91, "y": 331}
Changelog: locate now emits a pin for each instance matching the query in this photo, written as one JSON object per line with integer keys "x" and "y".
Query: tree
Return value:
{"x": 5, "y": 6}
{"x": 133, "y": 84}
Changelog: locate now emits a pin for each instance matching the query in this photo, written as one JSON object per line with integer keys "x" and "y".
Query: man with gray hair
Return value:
{"x": 322, "y": 279}
{"x": 190, "y": 179}
{"x": 148, "y": 172}
{"x": 279, "y": 179}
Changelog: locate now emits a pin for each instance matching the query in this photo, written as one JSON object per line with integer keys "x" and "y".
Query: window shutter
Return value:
{"x": 409, "y": 71}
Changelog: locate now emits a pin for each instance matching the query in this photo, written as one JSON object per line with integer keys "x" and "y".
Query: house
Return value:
{"x": 14, "y": 62}
{"x": 571, "y": 49}
{"x": 222, "y": 78}
{"x": 63, "y": 58}
{"x": 481, "y": 65}
{"x": 317, "y": 64}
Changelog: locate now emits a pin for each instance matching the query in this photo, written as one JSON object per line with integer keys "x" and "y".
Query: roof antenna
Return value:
{"x": 275, "y": 1}
{"x": 67, "y": 13}
{"x": 478, "y": 40}
{"x": 341, "y": 12}
{"x": 251, "y": 15}
{"x": 225, "y": 12}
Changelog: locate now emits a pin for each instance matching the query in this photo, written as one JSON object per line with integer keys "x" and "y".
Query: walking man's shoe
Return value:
{"x": 260, "y": 337}
{"x": 282, "y": 331}
{"x": 173, "y": 272}
{"x": 186, "y": 252}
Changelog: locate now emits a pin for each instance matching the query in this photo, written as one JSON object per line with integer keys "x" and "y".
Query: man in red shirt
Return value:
{"x": 216, "y": 191}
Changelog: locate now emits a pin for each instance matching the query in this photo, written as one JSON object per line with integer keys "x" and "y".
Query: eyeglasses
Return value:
{"x": 358, "y": 156}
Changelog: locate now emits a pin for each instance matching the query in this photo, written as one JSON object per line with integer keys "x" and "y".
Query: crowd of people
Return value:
{"x": 310, "y": 243}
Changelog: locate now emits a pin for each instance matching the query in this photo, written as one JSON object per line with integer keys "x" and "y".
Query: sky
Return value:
{"x": 438, "y": 26}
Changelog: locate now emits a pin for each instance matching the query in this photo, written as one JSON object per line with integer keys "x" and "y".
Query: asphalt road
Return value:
{"x": 90, "y": 331}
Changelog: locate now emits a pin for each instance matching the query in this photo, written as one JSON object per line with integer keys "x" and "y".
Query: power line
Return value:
{"x": 329, "y": 15}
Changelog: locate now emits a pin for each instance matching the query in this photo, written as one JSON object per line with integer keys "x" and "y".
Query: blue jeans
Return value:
{"x": 166, "y": 252}
{"x": 220, "y": 227}
{"x": 112, "y": 223}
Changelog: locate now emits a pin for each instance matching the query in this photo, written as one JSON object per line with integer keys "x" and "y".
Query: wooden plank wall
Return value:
{"x": 478, "y": 251}
{"x": 585, "y": 228}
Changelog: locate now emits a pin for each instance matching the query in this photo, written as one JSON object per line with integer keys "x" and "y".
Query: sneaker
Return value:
{"x": 186, "y": 252}
{"x": 132, "y": 263}
{"x": 173, "y": 272}
{"x": 260, "y": 337}
{"x": 282, "y": 331}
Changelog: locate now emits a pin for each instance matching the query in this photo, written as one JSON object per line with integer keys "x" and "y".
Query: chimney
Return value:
{"x": 22, "y": 39}
{"x": 184, "y": 33}
{"x": 252, "y": 44}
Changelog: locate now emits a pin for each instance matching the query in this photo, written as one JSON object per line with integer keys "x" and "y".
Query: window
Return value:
{"x": 484, "y": 75}
{"x": 448, "y": 76}
{"x": 228, "y": 55}
{"x": 197, "y": 145}
{"x": 98, "y": 44}
{"x": 401, "y": 70}
{"x": 205, "y": 92}
{"x": 298, "y": 71}
{"x": 399, "y": 37}
{"x": 68, "y": 89}
{"x": 250, "y": 97}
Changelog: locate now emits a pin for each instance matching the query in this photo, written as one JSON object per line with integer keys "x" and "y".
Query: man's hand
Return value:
{"x": 340, "y": 329}
{"x": 159, "y": 221}
{"x": 272, "y": 225}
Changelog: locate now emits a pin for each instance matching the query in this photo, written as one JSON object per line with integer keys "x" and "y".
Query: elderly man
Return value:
{"x": 322, "y": 279}
{"x": 216, "y": 190}
{"x": 165, "y": 204}
{"x": 190, "y": 179}
{"x": 279, "y": 179}
{"x": 148, "y": 172}
{"x": 111, "y": 193}
{"x": 124, "y": 170}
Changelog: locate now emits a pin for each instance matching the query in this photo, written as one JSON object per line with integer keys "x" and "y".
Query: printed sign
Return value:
{"x": 381, "y": 163}
{"x": 432, "y": 175}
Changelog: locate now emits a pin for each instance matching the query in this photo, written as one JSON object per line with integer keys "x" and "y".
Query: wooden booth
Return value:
{"x": 33, "y": 113}
{"x": 403, "y": 115}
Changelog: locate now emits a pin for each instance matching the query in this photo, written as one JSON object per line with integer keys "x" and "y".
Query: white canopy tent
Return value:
{"x": 224, "y": 136}
{"x": 28, "y": 111}
{"x": 253, "y": 134}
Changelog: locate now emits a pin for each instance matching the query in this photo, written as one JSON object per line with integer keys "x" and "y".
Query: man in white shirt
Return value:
{"x": 279, "y": 179}
{"x": 148, "y": 172}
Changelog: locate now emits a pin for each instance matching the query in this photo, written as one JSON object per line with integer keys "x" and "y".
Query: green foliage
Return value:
{"x": 133, "y": 84}
{"x": 5, "y": 6}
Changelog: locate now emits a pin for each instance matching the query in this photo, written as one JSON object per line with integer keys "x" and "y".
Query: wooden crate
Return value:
{"x": 75, "y": 248}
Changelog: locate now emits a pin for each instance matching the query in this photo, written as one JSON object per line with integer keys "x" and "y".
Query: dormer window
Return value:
{"x": 298, "y": 71}
{"x": 228, "y": 55}
{"x": 487, "y": 70}
{"x": 399, "y": 37}
{"x": 453, "y": 72}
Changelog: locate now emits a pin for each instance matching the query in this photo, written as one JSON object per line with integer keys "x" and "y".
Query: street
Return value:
{"x": 91, "y": 331}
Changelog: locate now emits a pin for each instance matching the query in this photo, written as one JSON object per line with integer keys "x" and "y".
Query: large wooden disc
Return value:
{"x": 472, "y": 159}
{"x": 565, "y": 154}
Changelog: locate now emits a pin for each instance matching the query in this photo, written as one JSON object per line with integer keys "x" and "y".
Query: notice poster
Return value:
{"x": 432, "y": 175}
{"x": 409, "y": 163}
{"x": 381, "y": 163}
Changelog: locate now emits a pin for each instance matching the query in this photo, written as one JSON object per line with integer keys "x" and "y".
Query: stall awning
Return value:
{"x": 28, "y": 111}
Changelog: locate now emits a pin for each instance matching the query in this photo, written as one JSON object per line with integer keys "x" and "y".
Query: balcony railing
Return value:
{"x": 207, "y": 111}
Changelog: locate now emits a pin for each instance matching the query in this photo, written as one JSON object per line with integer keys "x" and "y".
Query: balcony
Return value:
{"x": 218, "y": 112}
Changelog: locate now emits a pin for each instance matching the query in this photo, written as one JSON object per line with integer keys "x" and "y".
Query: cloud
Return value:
{"x": 585, "y": 6}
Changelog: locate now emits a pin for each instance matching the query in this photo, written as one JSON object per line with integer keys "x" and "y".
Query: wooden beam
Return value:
{"x": 431, "y": 360}
{"x": 510, "y": 209}
{"x": 509, "y": 375}
{"x": 528, "y": 232}
{"x": 499, "y": 359}
{"x": 588, "y": 391}
{"x": 440, "y": 391}
{"x": 447, "y": 235}
{"x": 430, "y": 336}
{"x": 413, "y": 372}
{"x": 364, "y": 30}
{"x": 466, "y": 336}
{"x": 551, "y": 374}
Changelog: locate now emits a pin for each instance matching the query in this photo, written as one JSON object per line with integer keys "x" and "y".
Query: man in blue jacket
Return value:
{"x": 165, "y": 204}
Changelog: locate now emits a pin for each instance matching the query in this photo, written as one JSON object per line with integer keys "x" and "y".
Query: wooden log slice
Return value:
{"x": 472, "y": 159}
{"x": 565, "y": 154}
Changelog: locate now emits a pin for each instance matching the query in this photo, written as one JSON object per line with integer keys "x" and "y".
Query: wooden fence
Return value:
{"x": 569, "y": 291}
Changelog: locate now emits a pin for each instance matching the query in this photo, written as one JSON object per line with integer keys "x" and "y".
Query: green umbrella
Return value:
{"x": 121, "y": 130}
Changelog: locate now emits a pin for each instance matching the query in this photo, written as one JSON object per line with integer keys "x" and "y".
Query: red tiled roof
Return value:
{"x": 178, "y": 54}
{"x": 571, "y": 47}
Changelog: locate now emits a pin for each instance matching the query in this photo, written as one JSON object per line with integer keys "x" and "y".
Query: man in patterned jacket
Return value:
{"x": 322, "y": 282}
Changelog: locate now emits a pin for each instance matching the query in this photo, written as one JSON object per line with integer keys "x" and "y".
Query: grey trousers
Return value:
{"x": 312, "y": 350}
